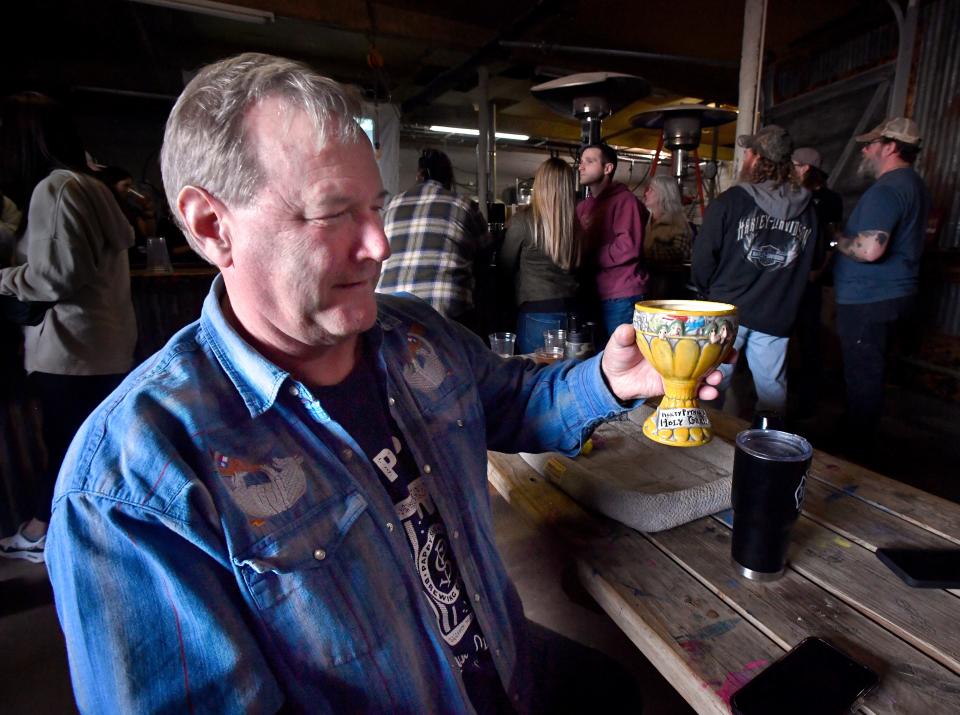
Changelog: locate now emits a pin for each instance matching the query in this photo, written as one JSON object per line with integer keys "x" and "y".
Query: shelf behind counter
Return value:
{"x": 165, "y": 302}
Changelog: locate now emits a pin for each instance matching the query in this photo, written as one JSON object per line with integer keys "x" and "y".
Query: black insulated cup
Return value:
{"x": 769, "y": 476}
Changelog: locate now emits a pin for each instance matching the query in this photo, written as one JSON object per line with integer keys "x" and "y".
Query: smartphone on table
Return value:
{"x": 924, "y": 568}
{"x": 814, "y": 678}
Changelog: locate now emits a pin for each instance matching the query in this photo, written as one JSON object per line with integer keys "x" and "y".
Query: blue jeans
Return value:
{"x": 530, "y": 327}
{"x": 767, "y": 357}
{"x": 616, "y": 312}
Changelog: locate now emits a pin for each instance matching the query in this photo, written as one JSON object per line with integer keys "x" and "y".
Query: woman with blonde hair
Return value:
{"x": 668, "y": 238}
{"x": 544, "y": 251}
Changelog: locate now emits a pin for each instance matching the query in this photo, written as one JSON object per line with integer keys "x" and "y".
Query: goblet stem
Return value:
{"x": 679, "y": 389}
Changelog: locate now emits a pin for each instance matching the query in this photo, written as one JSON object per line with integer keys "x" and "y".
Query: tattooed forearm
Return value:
{"x": 865, "y": 247}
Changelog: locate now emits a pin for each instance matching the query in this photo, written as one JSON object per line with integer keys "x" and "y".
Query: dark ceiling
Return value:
{"x": 430, "y": 49}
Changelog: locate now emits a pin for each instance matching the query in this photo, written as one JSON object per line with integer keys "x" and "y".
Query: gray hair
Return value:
{"x": 668, "y": 195}
{"x": 205, "y": 142}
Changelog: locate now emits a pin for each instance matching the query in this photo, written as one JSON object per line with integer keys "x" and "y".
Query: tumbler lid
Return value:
{"x": 774, "y": 445}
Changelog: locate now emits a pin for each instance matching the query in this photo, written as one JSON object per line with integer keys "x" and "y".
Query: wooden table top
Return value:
{"x": 678, "y": 598}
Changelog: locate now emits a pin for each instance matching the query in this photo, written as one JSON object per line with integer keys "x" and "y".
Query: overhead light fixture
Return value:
{"x": 476, "y": 132}
{"x": 216, "y": 9}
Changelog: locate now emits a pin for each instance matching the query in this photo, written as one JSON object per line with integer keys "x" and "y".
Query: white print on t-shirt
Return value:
{"x": 771, "y": 243}
{"x": 419, "y": 501}
{"x": 436, "y": 574}
{"x": 387, "y": 460}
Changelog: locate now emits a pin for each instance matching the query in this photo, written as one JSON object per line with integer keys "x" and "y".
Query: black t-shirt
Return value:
{"x": 359, "y": 404}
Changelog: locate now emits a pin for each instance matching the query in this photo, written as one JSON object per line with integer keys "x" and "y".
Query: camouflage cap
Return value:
{"x": 771, "y": 142}
{"x": 900, "y": 128}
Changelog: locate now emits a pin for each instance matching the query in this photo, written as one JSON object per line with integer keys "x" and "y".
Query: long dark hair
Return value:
{"x": 36, "y": 137}
{"x": 434, "y": 164}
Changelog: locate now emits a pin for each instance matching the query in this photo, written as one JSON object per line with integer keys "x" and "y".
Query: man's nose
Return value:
{"x": 373, "y": 240}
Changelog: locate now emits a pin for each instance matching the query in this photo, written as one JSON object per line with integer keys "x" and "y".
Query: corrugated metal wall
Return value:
{"x": 797, "y": 76}
{"x": 936, "y": 107}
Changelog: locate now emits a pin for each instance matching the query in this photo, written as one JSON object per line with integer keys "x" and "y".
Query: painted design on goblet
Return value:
{"x": 684, "y": 340}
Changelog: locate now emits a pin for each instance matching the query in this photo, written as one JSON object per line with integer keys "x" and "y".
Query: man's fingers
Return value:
{"x": 624, "y": 335}
{"x": 708, "y": 393}
{"x": 714, "y": 378}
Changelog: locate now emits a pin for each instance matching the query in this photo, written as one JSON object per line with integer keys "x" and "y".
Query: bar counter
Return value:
{"x": 164, "y": 302}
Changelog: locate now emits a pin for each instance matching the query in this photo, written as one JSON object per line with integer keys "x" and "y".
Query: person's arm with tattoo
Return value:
{"x": 865, "y": 247}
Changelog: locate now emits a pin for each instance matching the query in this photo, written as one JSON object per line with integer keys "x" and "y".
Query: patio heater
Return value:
{"x": 591, "y": 97}
{"x": 680, "y": 132}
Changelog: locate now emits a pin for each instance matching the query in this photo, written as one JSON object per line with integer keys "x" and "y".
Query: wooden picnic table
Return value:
{"x": 677, "y": 597}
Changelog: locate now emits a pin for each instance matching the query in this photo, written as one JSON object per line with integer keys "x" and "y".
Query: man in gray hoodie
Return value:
{"x": 755, "y": 250}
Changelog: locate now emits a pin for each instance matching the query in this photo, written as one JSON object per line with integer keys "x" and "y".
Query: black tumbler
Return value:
{"x": 769, "y": 475}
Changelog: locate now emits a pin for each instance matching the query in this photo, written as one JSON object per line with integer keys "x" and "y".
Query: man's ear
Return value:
{"x": 609, "y": 168}
{"x": 203, "y": 213}
{"x": 888, "y": 148}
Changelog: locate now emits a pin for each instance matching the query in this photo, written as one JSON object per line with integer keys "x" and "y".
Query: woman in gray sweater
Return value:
{"x": 73, "y": 253}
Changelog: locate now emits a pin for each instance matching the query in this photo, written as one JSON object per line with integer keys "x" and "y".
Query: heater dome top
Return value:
{"x": 706, "y": 116}
{"x": 565, "y": 95}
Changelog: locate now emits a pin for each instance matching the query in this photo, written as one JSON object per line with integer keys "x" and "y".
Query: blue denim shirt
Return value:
{"x": 219, "y": 544}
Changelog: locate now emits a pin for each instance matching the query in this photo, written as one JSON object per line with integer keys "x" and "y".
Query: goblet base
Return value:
{"x": 679, "y": 422}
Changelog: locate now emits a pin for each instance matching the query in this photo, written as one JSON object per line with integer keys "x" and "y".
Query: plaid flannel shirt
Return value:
{"x": 434, "y": 237}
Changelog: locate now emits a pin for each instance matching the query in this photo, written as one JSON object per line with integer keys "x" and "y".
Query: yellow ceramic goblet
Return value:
{"x": 684, "y": 339}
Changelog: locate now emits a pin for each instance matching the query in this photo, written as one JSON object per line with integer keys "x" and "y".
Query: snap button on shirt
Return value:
{"x": 319, "y": 554}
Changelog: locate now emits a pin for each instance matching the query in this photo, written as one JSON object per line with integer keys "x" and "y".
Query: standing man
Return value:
{"x": 828, "y": 205}
{"x": 286, "y": 508}
{"x": 613, "y": 220}
{"x": 435, "y": 236}
{"x": 875, "y": 277}
{"x": 755, "y": 250}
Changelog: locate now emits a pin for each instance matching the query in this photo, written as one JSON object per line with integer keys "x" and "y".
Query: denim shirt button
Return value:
{"x": 391, "y": 401}
{"x": 460, "y": 423}
{"x": 319, "y": 554}
{"x": 347, "y": 455}
{"x": 389, "y": 526}
{"x": 427, "y": 469}
{"x": 456, "y": 534}
{"x": 476, "y": 597}
{"x": 294, "y": 390}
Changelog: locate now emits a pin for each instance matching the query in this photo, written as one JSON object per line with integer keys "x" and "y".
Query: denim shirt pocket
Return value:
{"x": 300, "y": 585}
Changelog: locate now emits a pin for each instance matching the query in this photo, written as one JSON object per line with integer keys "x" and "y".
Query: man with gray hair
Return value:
{"x": 286, "y": 507}
{"x": 876, "y": 274}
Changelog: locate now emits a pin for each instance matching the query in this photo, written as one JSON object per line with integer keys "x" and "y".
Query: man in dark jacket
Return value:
{"x": 755, "y": 250}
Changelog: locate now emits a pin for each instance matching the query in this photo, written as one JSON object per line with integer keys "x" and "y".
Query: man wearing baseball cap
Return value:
{"x": 876, "y": 274}
{"x": 755, "y": 250}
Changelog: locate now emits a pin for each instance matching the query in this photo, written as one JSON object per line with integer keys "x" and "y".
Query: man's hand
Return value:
{"x": 631, "y": 377}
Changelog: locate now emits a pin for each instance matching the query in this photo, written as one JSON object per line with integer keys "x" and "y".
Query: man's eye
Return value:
{"x": 327, "y": 218}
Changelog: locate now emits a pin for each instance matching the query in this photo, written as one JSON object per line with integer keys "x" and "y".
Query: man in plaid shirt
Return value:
{"x": 434, "y": 236}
